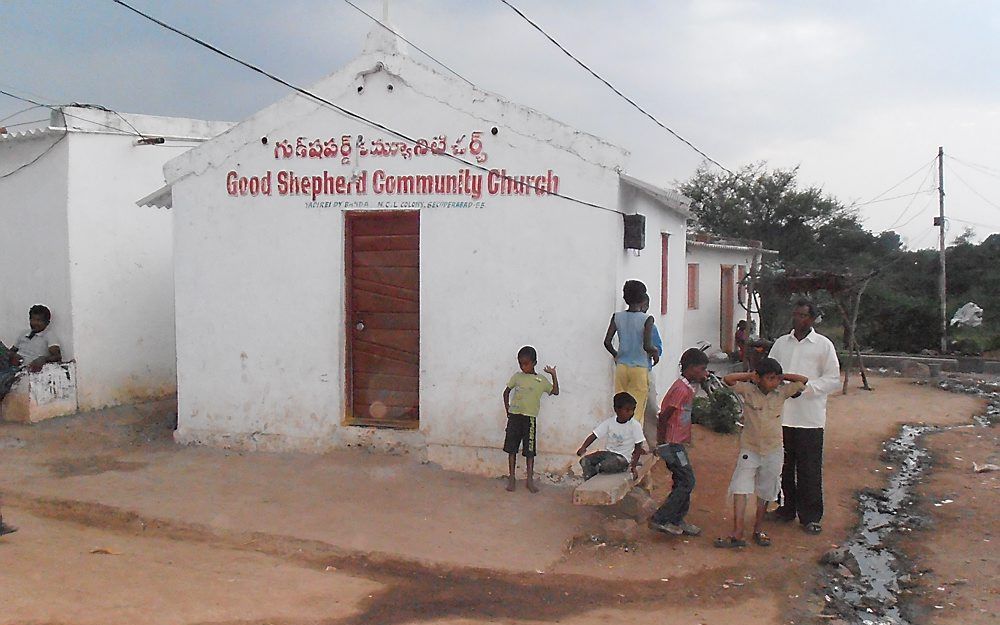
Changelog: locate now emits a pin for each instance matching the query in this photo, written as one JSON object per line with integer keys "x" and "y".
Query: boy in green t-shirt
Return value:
{"x": 521, "y": 401}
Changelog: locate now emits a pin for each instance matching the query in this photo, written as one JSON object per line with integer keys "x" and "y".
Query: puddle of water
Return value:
{"x": 871, "y": 597}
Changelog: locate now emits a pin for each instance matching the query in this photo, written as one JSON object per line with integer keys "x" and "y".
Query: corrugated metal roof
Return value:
{"x": 31, "y": 133}
{"x": 729, "y": 247}
{"x": 161, "y": 198}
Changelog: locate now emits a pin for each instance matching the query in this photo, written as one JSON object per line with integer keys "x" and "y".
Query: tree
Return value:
{"x": 811, "y": 230}
{"x": 764, "y": 205}
{"x": 815, "y": 234}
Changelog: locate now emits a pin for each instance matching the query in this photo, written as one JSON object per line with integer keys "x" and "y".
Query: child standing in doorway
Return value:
{"x": 740, "y": 340}
{"x": 635, "y": 345}
{"x": 521, "y": 401}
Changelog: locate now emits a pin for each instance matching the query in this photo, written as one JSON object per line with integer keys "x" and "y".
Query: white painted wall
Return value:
{"x": 121, "y": 270}
{"x": 34, "y": 248}
{"x": 73, "y": 239}
{"x": 647, "y": 268}
{"x": 704, "y": 324}
{"x": 259, "y": 280}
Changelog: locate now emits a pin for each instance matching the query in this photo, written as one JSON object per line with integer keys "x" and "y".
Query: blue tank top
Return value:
{"x": 630, "y": 327}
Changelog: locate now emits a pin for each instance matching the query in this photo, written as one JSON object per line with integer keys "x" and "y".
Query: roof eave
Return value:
{"x": 161, "y": 198}
{"x": 672, "y": 199}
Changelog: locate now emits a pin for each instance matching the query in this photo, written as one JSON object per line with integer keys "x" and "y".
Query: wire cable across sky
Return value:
{"x": 351, "y": 114}
{"x": 615, "y": 89}
{"x": 61, "y": 109}
{"x": 415, "y": 46}
{"x": 971, "y": 188}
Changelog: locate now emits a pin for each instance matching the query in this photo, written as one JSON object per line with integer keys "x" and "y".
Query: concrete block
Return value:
{"x": 605, "y": 489}
{"x": 912, "y": 369}
{"x": 637, "y": 504}
{"x": 38, "y": 396}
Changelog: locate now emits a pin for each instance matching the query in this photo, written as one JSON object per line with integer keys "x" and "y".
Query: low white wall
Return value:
{"x": 122, "y": 270}
{"x": 34, "y": 250}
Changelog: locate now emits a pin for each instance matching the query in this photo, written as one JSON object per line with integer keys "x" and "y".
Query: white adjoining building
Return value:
{"x": 718, "y": 290}
{"x": 339, "y": 285}
{"x": 72, "y": 239}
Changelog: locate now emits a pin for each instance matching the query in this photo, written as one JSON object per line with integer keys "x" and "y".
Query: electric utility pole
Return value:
{"x": 943, "y": 280}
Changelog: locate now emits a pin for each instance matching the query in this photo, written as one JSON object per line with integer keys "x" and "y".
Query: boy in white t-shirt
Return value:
{"x": 624, "y": 441}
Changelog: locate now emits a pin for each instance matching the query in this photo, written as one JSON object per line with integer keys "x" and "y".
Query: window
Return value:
{"x": 692, "y": 286}
{"x": 664, "y": 271}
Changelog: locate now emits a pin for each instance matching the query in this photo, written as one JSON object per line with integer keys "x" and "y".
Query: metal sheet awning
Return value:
{"x": 161, "y": 198}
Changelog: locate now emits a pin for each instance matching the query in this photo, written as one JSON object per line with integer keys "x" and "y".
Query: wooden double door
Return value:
{"x": 382, "y": 264}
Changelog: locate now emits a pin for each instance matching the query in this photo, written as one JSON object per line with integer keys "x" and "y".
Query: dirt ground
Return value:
{"x": 959, "y": 557}
{"x": 119, "y": 525}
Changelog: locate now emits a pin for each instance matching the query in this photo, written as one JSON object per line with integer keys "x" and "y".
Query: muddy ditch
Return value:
{"x": 868, "y": 579}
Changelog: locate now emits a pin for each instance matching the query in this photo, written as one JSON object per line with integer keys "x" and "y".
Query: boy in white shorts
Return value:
{"x": 758, "y": 466}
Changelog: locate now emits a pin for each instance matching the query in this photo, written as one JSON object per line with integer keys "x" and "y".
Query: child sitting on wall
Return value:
{"x": 624, "y": 441}
{"x": 39, "y": 345}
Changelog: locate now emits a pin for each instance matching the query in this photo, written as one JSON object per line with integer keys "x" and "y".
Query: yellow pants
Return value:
{"x": 635, "y": 382}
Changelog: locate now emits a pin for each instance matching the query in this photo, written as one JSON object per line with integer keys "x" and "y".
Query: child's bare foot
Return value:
{"x": 511, "y": 484}
{"x": 532, "y": 487}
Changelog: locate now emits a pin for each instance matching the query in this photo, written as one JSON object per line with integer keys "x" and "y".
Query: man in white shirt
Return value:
{"x": 39, "y": 345}
{"x": 805, "y": 352}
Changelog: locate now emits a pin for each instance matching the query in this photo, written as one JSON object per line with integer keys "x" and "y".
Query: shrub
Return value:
{"x": 719, "y": 411}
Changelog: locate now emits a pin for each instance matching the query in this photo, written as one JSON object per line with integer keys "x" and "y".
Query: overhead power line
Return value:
{"x": 920, "y": 237}
{"x": 983, "y": 169}
{"x": 60, "y": 108}
{"x": 876, "y": 198}
{"x": 919, "y": 213}
{"x": 976, "y": 223}
{"x": 37, "y": 158}
{"x": 895, "y": 197}
{"x": 351, "y": 114}
{"x": 34, "y": 121}
{"x": 615, "y": 89}
{"x": 903, "y": 213}
{"x": 969, "y": 186}
{"x": 25, "y": 110}
{"x": 415, "y": 46}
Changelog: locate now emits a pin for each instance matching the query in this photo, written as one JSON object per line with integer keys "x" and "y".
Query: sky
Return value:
{"x": 857, "y": 94}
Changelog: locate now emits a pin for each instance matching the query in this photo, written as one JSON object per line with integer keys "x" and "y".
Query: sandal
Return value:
{"x": 729, "y": 542}
{"x": 762, "y": 539}
{"x": 812, "y": 528}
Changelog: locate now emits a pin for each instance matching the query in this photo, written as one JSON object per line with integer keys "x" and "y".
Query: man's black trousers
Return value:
{"x": 802, "y": 475}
